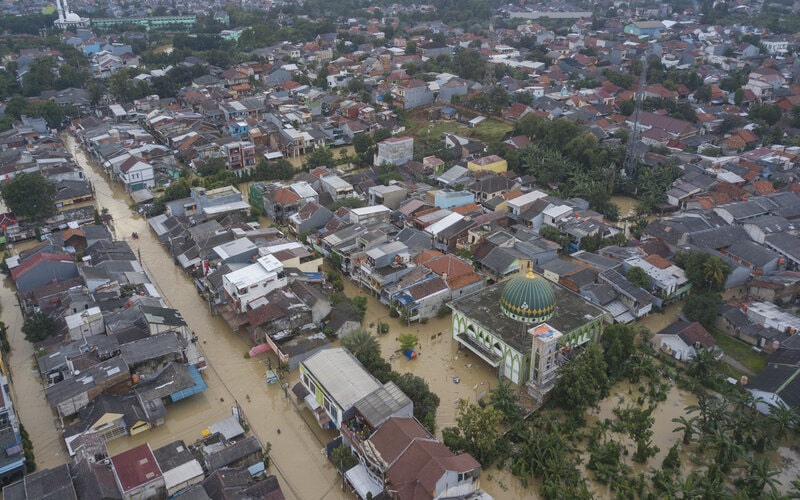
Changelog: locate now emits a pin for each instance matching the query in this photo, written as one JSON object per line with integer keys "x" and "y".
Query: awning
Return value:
{"x": 363, "y": 482}
{"x": 300, "y": 390}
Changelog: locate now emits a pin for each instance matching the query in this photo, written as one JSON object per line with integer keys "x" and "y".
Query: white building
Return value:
{"x": 337, "y": 187}
{"x": 395, "y": 151}
{"x": 244, "y": 286}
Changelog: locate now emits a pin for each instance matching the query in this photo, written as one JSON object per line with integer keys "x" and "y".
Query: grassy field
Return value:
{"x": 741, "y": 352}
{"x": 487, "y": 131}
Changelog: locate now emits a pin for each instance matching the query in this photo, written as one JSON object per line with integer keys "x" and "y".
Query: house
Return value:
{"x": 492, "y": 163}
{"x": 180, "y": 468}
{"x": 239, "y": 154}
{"x": 407, "y": 462}
{"x": 389, "y": 196}
{"x": 645, "y": 28}
{"x": 136, "y": 173}
{"x": 242, "y": 453}
{"x": 138, "y": 474}
{"x": 248, "y": 284}
{"x": 683, "y": 340}
{"x": 41, "y": 269}
{"x": 422, "y": 299}
{"x": 395, "y": 151}
{"x": 310, "y": 217}
{"x": 332, "y": 382}
{"x": 668, "y": 282}
{"x": 412, "y": 93}
{"x": 337, "y": 187}
{"x": 41, "y": 484}
{"x": 779, "y": 383}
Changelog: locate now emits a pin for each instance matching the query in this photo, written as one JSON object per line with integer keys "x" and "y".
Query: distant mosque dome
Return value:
{"x": 528, "y": 298}
{"x": 72, "y": 17}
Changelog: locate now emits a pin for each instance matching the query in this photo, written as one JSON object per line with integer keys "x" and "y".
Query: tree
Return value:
{"x": 426, "y": 402}
{"x": 361, "y": 343}
{"x": 618, "y": 343}
{"x": 360, "y": 305}
{"x": 702, "y": 307}
{"x": 408, "y": 341}
{"x": 320, "y": 157}
{"x": 38, "y": 326}
{"x": 343, "y": 459}
{"x": 706, "y": 272}
{"x": 738, "y": 96}
{"x": 583, "y": 382}
{"x": 687, "y": 427}
{"x": 637, "y": 276}
{"x": 715, "y": 272}
{"x": 703, "y": 365}
{"x": 477, "y": 432}
{"x": 29, "y": 196}
{"x": 367, "y": 350}
{"x": 502, "y": 397}
{"x": 759, "y": 475}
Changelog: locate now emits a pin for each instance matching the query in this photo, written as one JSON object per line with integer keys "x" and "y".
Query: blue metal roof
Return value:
{"x": 198, "y": 387}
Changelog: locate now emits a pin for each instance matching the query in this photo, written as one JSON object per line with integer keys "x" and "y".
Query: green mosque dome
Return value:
{"x": 528, "y": 298}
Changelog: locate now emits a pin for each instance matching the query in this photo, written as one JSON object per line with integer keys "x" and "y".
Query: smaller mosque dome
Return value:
{"x": 528, "y": 298}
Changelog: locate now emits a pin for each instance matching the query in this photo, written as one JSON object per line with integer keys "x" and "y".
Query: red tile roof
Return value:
{"x": 414, "y": 475}
{"x": 136, "y": 467}
{"x": 286, "y": 196}
{"x": 38, "y": 259}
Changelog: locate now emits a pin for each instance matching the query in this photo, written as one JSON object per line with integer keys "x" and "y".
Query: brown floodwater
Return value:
{"x": 626, "y": 204}
{"x": 297, "y": 461}
{"x": 26, "y": 388}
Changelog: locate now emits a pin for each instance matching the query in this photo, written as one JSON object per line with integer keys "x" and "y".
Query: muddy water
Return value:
{"x": 26, "y": 388}
{"x": 657, "y": 321}
{"x": 439, "y": 363}
{"x": 626, "y": 204}
{"x": 624, "y": 394}
{"x": 302, "y": 470}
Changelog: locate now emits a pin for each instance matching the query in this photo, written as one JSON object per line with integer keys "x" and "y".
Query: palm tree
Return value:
{"x": 727, "y": 450}
{"x": 687, "y": 426}
{"x": 760, "y": 475}
{"x": 782, "y": 418}
{"x": 703, "y": 365}
{"x": 361, "y": 343}
{"x": 715, "y": 271}
{"x": 691, "y": 487}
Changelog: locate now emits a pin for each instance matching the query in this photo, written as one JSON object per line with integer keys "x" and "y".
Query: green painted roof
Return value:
{"x": 528, "y": 298}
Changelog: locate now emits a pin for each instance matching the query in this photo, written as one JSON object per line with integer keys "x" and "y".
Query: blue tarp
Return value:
{"x": 198, "y": 387}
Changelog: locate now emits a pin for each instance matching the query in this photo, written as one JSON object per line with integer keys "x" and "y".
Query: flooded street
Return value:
{"x": 231, "y": 378}
{"x": 297, "y": 457}
{"x": 26, "y": 389}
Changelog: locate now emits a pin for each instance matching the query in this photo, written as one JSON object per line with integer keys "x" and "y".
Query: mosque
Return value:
{"x": 69, "y": 20}
{"x": 522, "y": 326}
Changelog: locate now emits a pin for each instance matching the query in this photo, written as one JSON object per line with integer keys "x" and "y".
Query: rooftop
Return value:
{"x": 483, "y": 307}
{"x": 342, "y": 376}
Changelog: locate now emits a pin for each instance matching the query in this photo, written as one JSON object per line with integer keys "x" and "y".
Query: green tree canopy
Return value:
{"x": 477, "y": 432}
{"x": 29, "y": 196}
{"x": 38, "y": 327}
{"x": 702, "y": 307}
{"x": 582, "y": 382}
{"x": 706, "y": 272}
{"x": 637, "y": 276}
